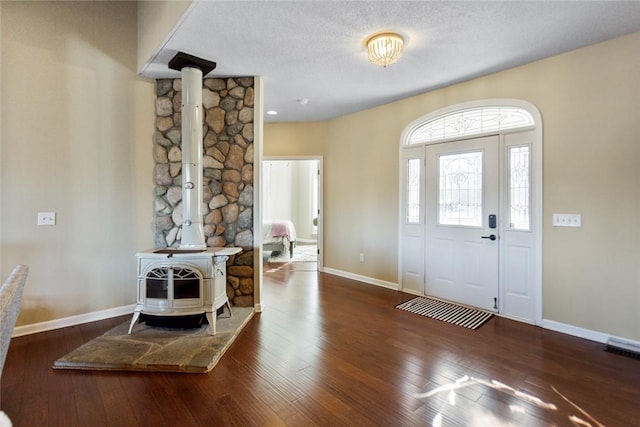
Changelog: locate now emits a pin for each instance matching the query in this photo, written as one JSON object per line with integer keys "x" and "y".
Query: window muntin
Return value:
{"x": 460, "y": 189}
{"x": 469, "y": 122}
{"x": 519, "y": 164}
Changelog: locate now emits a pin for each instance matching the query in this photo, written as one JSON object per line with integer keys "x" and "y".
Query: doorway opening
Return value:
{"x": 292, "y": 214}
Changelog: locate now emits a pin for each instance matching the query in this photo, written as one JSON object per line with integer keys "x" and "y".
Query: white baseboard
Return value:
{"x": 584, "y": 333}
{"x": 79, "y": 319}
{"x": 365, "y": 279}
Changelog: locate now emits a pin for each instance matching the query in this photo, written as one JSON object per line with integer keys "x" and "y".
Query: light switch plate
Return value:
{"x": 46, "y": 218}
{"x": 567, "y": 220}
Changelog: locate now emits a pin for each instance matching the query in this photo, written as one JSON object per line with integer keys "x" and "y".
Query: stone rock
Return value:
{"x": 177, "y": 120}
{"x": 175, "y": 154}
{"x": 215, "y": 185}
{"x": 216, "y": 154}
{"x": 230, "y": 232}
{"x": 245, "y": 220}
{"x": 247, "y": 173}
{"x": 164, "y": 106}
{"x": 210, "y": 99}
{"x": 174, "y": 195}
{"x": 210, "y": 139}
{"x": 231, "y": 118}
{"x": 210, "y": 162}
{"x": 246, "y": 197}
{"x": 160, "y": 190}
{"x": 235, "y": 158}
{"x": 209, "y": 230}
{"x": 177, "y": 85}
{"x": 223, "y": 145}
{"x": 177, "y": 102}
{"x": 213, "y": 217}
{"x": 175, "y": 135}
{"x": 246, "y": 286}
{"x": 247, "y": 132}
{"x": 163, "y": 223}
{"x": 248, "y": 154}
{"x": 218, "y": 201}
{"x": 231, "y": 175}
{"x": 239, "y": 140}
{"x": 246, "y": 115}
{"x": 216, "y": 241}
{"x": 234, "y": 282}
{"x": 160, "y": 154}
{"x": 243, "y": 301}
{"x": 163, "y": 86}
{"x": 237, "y": 92}
{"x": 230, "y": 189}
{"x": 228, "y": 104}
{"x": 175, "y": 169}
{"x": 161, "y": 174}
{"x": 231, "y": 83}
{"x": 171, "y": 236}
{"x": 244, "y": 258}
{"x": 249, "y": 97}
{"x": 215, "y": 84}
{"x": 240, "y": 270}
{"x": 207, "y": 195}
{"x": 214, "y": 174}
{"x": 158, "y": 138}
{"x": 245, "y": 82}
{"x": 163, "y": 124}
{"x": 215, "y": 119}
{"x": 230, "y": 213}
{"x": 176, "y": 216}
{"x": 161, "y": 206}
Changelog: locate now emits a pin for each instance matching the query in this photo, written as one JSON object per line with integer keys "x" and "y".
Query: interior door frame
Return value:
{"x": 536, "y": 193}
{"x": 320, "y": 239}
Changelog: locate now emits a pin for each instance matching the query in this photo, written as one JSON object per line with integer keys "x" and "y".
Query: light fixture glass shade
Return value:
{"x": 385, "y": 48}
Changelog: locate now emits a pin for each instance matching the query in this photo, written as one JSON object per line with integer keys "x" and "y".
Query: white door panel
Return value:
{"x": 462, "y": 189}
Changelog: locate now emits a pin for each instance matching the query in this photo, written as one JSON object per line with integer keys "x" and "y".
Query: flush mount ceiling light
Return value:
{"x": 385, "y": 48}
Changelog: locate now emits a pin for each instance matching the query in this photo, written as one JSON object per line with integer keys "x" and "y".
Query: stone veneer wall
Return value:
{"x": 227, "y": 173}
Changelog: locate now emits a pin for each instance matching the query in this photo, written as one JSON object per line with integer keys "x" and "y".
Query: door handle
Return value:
{"x": 490, "y": 237}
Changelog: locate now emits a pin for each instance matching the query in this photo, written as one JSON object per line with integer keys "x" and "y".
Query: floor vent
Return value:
{"x": 623, "y": 348}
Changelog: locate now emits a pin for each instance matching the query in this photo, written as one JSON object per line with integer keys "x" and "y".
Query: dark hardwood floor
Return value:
{"x": 332, "y": 351}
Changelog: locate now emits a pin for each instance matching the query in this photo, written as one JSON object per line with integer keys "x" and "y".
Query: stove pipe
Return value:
{"x": 192, "y": 70}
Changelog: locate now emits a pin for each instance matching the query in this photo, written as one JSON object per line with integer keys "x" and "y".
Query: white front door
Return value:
{"x": 462, "y": 200}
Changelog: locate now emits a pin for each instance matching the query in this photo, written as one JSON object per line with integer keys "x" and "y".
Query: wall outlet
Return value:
{"x": 361, "y": 257}
{"x": 567, "y": 220}
{"x": 46, "y": 218}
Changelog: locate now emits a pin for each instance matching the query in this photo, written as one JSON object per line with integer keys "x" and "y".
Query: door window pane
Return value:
{"x": 413, "y": 191}
{"x": 519, "y": 188}
{"x": 460, "y": 201}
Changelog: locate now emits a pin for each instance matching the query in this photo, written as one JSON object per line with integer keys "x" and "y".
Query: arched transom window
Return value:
{"x": 470, "y": 122}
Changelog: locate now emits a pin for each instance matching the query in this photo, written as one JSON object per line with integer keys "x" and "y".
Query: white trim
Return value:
{"x": 587, "y": 334}
{"x": 79, "y": 319}
{"x": 258, "y": 143}
{"x": 363, "y": 279}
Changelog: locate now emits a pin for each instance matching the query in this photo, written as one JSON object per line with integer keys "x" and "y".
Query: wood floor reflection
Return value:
{"x": 330, "y": 351}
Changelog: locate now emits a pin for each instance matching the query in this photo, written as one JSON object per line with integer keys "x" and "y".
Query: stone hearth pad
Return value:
{"x": 157, "y": 349}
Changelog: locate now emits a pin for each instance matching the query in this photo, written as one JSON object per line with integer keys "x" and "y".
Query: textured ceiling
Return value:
{"x": 314, "y": 50}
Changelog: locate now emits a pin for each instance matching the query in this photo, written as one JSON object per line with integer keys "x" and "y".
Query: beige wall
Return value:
{"x": 156, "y": 21}
{"x": 77, "y": 136}
{"x": 590, "y": 104}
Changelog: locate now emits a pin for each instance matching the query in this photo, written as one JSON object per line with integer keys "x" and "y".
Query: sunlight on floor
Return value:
{"x": 483, "y": 417}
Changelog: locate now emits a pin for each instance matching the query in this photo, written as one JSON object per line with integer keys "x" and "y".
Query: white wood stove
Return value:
{"x": 174, "y": 282}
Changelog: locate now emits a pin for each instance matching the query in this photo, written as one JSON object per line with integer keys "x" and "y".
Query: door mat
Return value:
{"x": 157, "y": 349}
{"x": 460, "y": 315}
